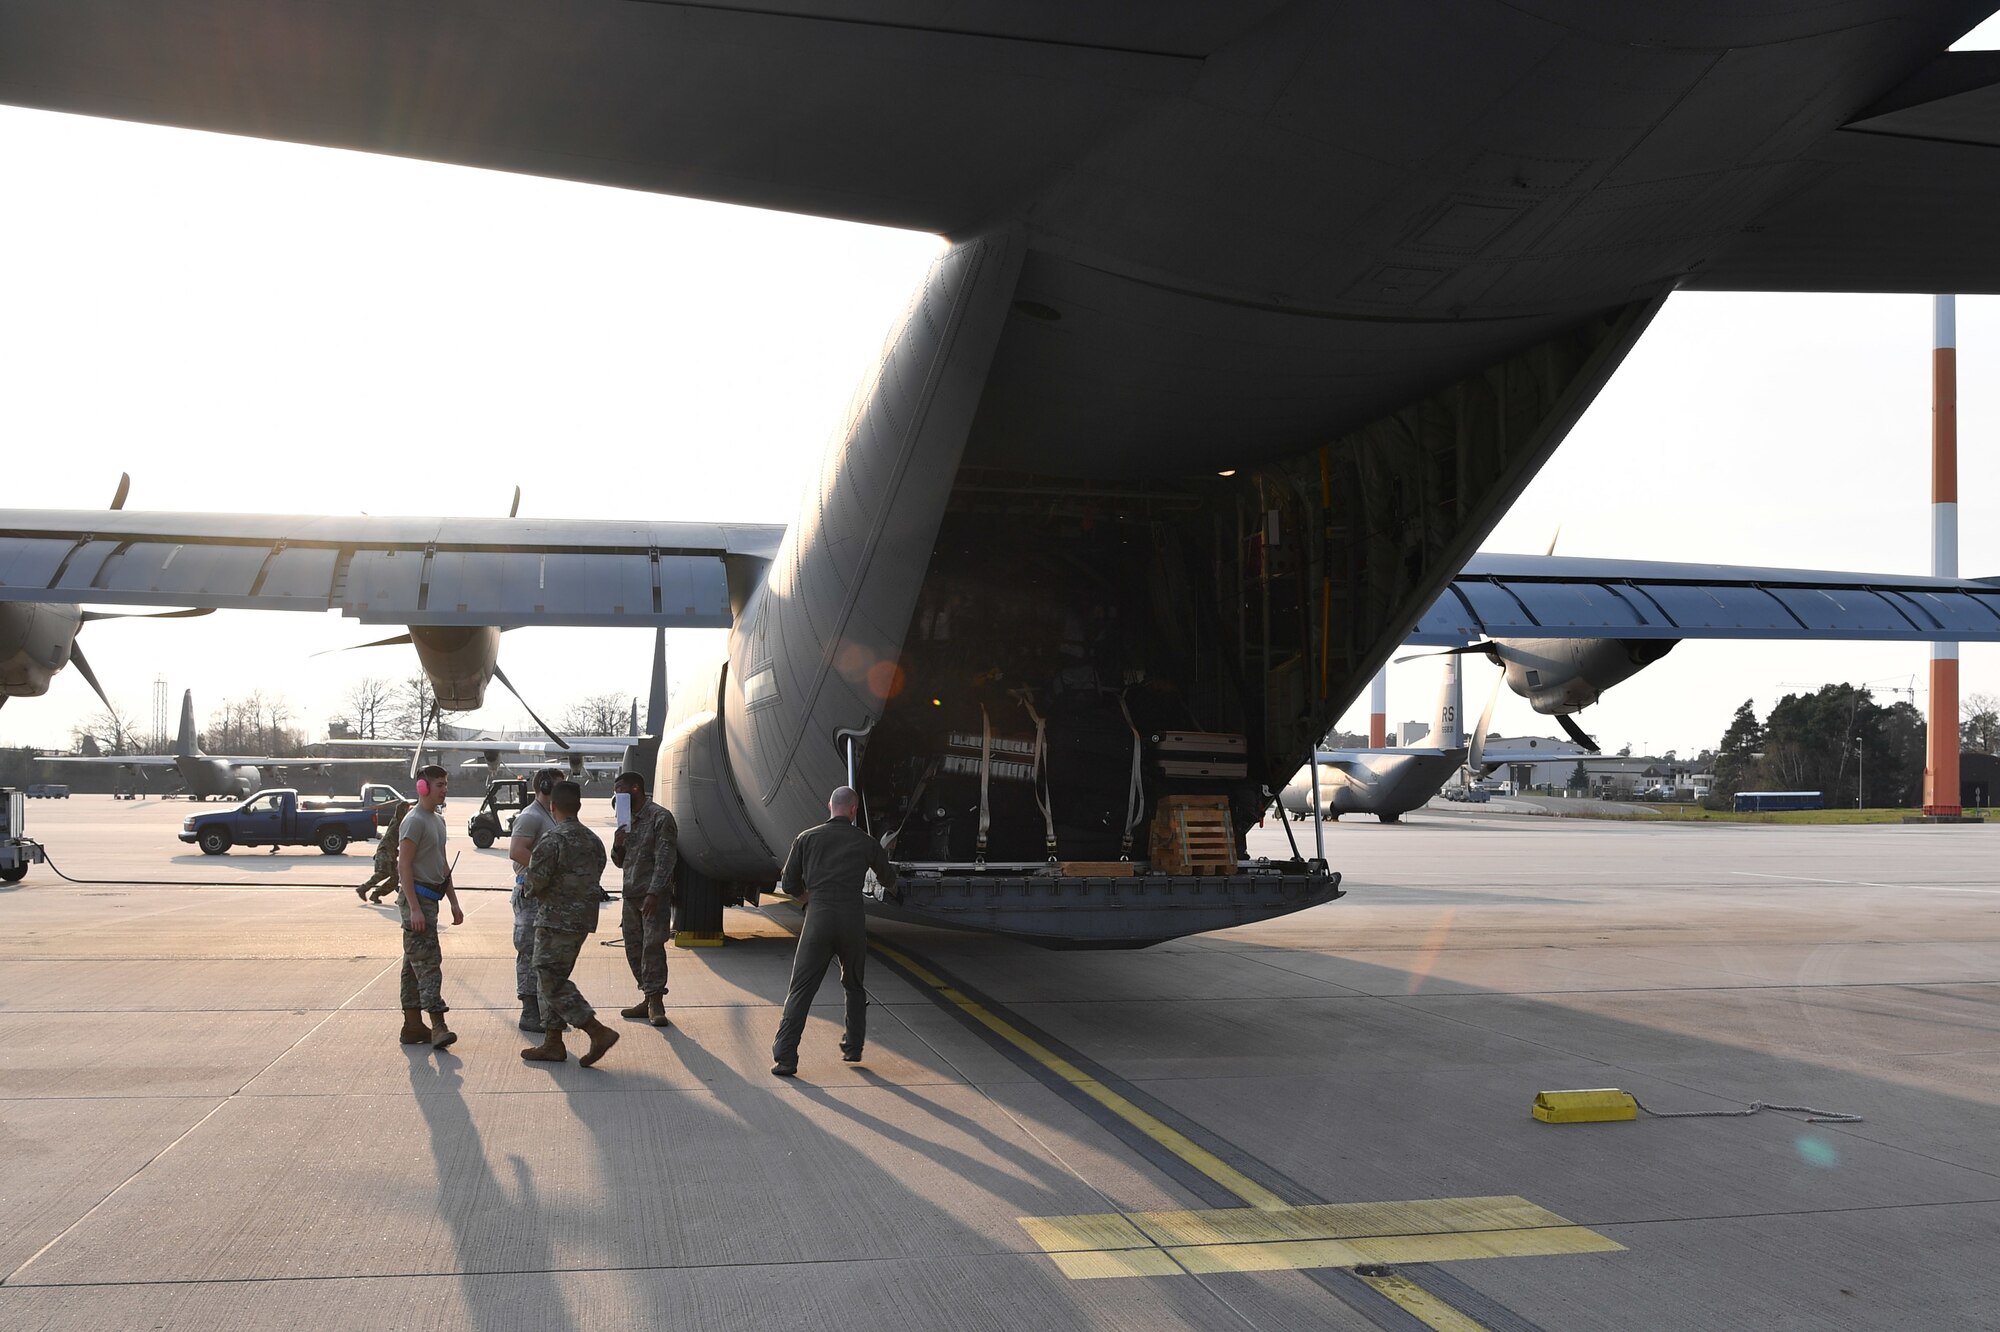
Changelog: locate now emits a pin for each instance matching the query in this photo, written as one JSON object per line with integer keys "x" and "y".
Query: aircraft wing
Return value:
{"x": 1556, "y": 596}
{"x": 578, "y": 744}
{"x": 120, "y": 760}
{"x": 382, "y": 570}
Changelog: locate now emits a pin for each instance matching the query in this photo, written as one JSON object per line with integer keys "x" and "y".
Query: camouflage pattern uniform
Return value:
{"x": 423, "y": 959}
{"x": 651, "y": 850}
{"x": 383, "y": 880}
{"x": 562, "y": 882}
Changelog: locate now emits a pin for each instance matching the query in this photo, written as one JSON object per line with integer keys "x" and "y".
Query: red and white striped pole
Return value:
{"x": 1378, "y": 710}
{"x": 1941, "y": 761}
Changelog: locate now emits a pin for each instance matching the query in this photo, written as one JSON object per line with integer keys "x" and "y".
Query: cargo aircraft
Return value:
{"x": 1255, "y": 318}
{"x": 1390, "y": 782}
{"x": 209, "y": 776}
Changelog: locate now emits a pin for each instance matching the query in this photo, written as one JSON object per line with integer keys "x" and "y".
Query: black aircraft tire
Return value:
{"x": 14, "y": 873}
{"x": 333, "y": 842}
{"x": 214, "y": 841}
{"x": 1390, "y": 818}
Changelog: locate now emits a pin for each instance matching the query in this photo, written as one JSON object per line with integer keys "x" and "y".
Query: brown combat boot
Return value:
{"x": 414, "y": 1030}
{"x": 441, "y": 1035}
{"x": 637, "y": 1010}
{"x": 602, "y": 1038}
{"x": 656, "y": 1009}
{"x": 550, "y": 1051}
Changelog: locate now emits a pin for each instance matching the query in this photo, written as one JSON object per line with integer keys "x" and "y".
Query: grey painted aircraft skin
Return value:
{"x": 1254, "y": 321}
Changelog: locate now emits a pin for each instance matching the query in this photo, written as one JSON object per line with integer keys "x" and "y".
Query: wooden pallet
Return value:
{"x": 1097, "y": 869}
{"x": 1193, "y": 835}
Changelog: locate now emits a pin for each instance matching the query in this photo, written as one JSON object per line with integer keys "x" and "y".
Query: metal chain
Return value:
{"x": 1812, "y": 1116}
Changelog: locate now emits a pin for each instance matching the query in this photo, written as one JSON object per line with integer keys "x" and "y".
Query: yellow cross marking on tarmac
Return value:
{"x": 1269, "y": 1234}
{"x": 1239, "y": 1239}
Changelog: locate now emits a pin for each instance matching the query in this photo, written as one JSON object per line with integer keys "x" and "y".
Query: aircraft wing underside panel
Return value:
{"x": 1516, "y": 596}
{"x": 412, "y": 571}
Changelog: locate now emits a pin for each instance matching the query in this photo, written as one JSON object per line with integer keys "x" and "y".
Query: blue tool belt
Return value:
{"x": 428, "y": 893}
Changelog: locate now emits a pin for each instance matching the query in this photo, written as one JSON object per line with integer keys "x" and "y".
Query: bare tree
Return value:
{"x": 1979, "y": 723}
{"x": 600, "y": 714}
{"x": 370, "y": 701}
{"x": 116, "y": 730}
{"x": 253, "y": 725}
{"x": 409, "y": 709}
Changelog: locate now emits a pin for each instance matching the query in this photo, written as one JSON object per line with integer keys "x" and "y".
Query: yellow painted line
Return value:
{"x": 1069, "y": 1234}
{"x": 1427, "y": 1216}
{"x": 1116, "y": 1263}
{"x": 1208, "y": 1163}
{"x": 1429, "y": 1230}
{"x": 1294, "y": 1255}
{"x": 1421, "y": 1305}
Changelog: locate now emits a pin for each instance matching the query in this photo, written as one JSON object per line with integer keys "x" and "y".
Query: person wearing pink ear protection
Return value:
{"x": 424, "y": 880}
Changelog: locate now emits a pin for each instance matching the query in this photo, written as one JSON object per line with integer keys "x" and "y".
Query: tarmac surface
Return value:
{"x": 1319, "y": 1121}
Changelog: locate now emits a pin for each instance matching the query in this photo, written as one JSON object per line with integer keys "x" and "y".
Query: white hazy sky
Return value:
{"x": 254, "y": 326}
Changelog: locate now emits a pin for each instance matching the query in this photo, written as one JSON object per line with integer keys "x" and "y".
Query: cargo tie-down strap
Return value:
{"x": 1027, "y": 697}
{"x": 1135, "y": 798}
{"x": 985, "y": 777}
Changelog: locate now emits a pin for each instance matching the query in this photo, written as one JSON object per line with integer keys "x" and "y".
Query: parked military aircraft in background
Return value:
{"x": 1391, "y": 782}
{"x": 1254, "y": 321}
{"x": 209, "y": 776}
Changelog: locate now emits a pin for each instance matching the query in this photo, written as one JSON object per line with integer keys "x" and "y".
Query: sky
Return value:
{"x": 247, "y": 326}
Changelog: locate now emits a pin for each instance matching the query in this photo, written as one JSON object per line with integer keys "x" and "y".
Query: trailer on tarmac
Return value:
{"x": 16, "y": 851}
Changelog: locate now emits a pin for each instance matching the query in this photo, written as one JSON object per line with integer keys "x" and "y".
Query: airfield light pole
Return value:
{"x": 1941, "y": 740}
{"x": 1860, "y": 772}
{"x": 1378, "y": 710}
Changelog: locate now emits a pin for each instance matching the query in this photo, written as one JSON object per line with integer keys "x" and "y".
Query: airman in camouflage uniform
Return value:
{"x": 647, "y": 851}
{"x": 562, "y": 883}
{"x": 383, "y": 881}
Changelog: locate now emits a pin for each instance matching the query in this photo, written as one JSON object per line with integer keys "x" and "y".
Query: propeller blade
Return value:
{"x": 1484, "y": 649}
{"x": 91, "y": 616}
{"x": 514, "y": 509}
{"x": 1478, "y": 746}
{"x": 356, "y": 647}
{"x": 501, "y": 676}
{"x": 124, "y": 489}
{"x": 656, "y": 697}
{"x": 1576, "y": 732}
{"x": 82, "y": 664}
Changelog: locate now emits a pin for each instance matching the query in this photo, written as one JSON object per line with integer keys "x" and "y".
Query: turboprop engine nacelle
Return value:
{"x": 459, "y": 661}
{"x": 36, "y": 641}
{"x": 1559, "y": 676}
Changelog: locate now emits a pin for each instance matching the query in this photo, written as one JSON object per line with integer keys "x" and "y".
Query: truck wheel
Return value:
{"x": 482, "y": 836}
{"x": 332, "y": 842}
{"x": 13, "y": 873}
{"x": 214, "y": 841}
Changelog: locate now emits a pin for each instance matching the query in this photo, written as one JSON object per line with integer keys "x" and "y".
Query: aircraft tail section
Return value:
{"x": 813, "y": 660}
{"x": 1448, "y": 722}
{"x": 184, "y": 745}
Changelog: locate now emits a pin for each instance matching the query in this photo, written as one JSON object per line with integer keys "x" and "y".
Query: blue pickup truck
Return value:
{"x": 273, "y": 818}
